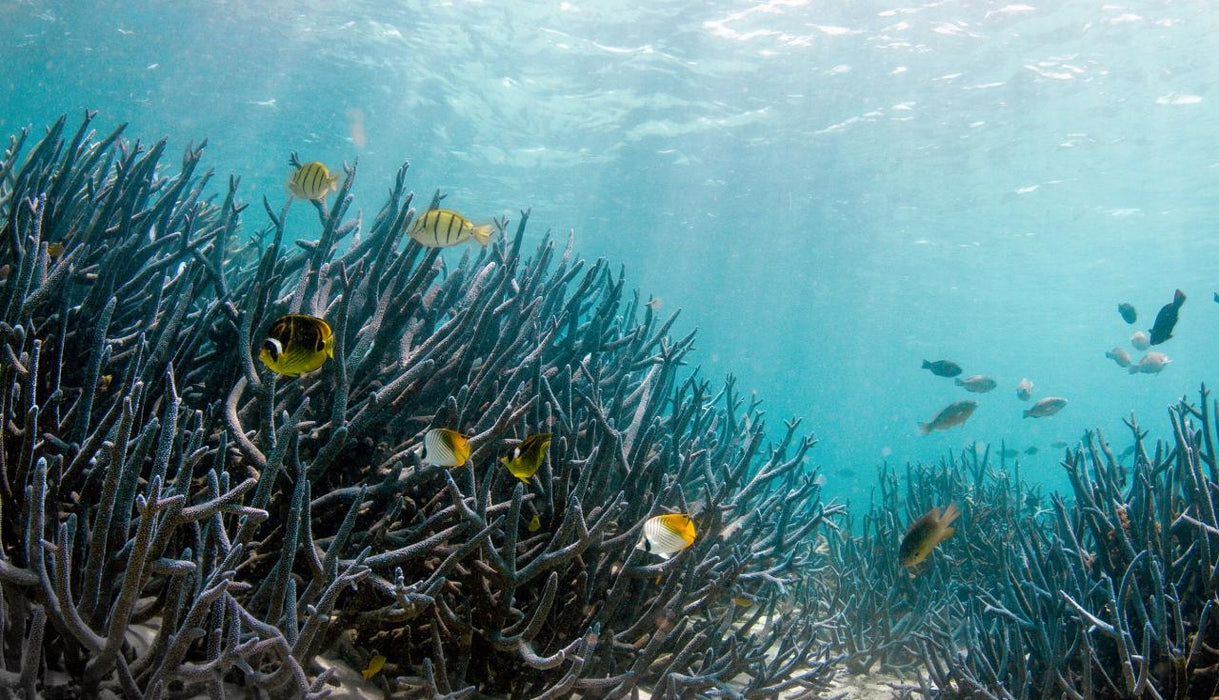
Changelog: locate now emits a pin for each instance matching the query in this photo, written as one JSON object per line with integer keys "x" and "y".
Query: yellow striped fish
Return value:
{"x": 665, "y": 535}
{"x": 312, "y": 181}
{"x": 441, "y": 228}
{"x": 445, "y": 448}
{"x": 296, "y": 344}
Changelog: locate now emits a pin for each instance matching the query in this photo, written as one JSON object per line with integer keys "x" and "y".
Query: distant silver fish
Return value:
{"x": 1024, "y": 390}
{"x": 978, "y": 384}
{"x": 955, "y": 413}
{"x": 1151, "y": 363}
{"x": 1045, "y": 407}
{"x": 1120, "y": 356}
{"x": 1140, "y": 340}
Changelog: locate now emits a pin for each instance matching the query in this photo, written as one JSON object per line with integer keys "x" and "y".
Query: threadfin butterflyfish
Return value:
{"x": 665, "y": 535}
{"x": 296, "y": 344}
{"x": 445, "y": 448}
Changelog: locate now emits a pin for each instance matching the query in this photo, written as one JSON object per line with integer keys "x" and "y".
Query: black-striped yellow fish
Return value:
{"x": 445, "y": 448}
{"x": 441, "y": 228}
{"x": 312, "y": 181}
{"x": 296, "y": 344}
{"x": 665, "y": 535}
{"x": 527, "y": 456}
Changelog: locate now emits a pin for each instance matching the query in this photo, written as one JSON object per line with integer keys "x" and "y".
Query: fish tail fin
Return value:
{"x": 1132, "y": 369}
{"x": 951, "y": 513}
{"x": 482, "y": 234}
{"x": 924, "y": 428}
{"x": 959, "y": 382}
{"x": 1027, "y": 412}
{"x": 1178, "y": 299}
{"x": 927, "y": 365}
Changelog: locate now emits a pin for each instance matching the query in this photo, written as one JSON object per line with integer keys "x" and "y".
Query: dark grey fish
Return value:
{"x": 1129, "y": 315}
{"x": 1126, "y": 452}
{"x": 1030, "y": 450}
{"x": 1008, "y": 453}
{"x": 1059, "y": 444}
{"x": 943, "y": 368}
{"x": 1166, "y": 319}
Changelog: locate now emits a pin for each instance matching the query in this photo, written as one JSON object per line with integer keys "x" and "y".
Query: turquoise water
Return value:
{"x": 830, "y": 193}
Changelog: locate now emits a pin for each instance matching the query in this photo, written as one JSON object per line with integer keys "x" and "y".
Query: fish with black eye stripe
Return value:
{"x": 296, "y": 344}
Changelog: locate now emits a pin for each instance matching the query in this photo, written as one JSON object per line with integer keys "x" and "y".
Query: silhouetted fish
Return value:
{"x": 1030, "y": 450}
{"x": 1126, "y": 452}
{"x": 1166, "y": 319}
{"x": 943, "y": 368}
{"x": 1129, "y": 315}
{"x": 1059, "y": 444}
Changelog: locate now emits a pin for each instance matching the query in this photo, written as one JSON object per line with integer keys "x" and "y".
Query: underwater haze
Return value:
{"x": 830, "y": 192}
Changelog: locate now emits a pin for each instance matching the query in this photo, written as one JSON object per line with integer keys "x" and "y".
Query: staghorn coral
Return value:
{"x": 175, "y": 519}
{"x": 1108, "y": 595}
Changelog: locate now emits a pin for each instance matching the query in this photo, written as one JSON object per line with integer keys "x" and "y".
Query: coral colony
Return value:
{"x": 179, "y": 518}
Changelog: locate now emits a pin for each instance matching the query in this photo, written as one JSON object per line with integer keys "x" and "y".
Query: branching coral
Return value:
{"x": 157, "y": 480}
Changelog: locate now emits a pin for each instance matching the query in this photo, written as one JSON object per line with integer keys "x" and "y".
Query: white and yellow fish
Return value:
{"x": 445, "y": 448}
{"x": 666, "y": 535}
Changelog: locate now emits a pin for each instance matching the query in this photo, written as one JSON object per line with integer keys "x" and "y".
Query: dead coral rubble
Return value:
{"x": 177, "y": 520}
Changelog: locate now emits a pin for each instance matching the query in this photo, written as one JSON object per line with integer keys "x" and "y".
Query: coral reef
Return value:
{"x": 1109, "y": 595}
{"x": 177, "y": 520}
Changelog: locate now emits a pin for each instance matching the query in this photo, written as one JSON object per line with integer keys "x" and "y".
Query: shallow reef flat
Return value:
{"x": 156, "y": 476}
{"x": 178, "y": 521}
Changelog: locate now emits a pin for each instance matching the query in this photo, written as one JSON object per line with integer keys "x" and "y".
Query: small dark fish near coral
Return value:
{"x": 1161, "y": 330}
{"x": 1031, "y": 450}
{"x": 925, "y": 534}
{"x": 296, "y": 344}
{"x": 955, "y": 413}
{"x": 1129, "y": 315}
{"x": 943, "y": 368}
{"x": 1045, "y": 407}
{"x": 1126, "y": 452}
{"x": 1059, "y": 444}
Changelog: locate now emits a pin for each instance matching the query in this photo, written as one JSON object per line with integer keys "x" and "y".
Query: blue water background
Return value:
{"x": 830, "y": 192}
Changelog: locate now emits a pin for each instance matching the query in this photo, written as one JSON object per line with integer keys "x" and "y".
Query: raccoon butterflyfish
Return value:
{"x": 441, "y": 228}
{"x": 312, "y": 181}
{"x": 527, "y": 456}
{"x": 296, "y": 344}
{"x": 925, "y": 534}
{"x": 535, "y": 523}
{"x": 375, "y": 664}
{"x": 445, "y": 448}
{"x": 665, "y": 535}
